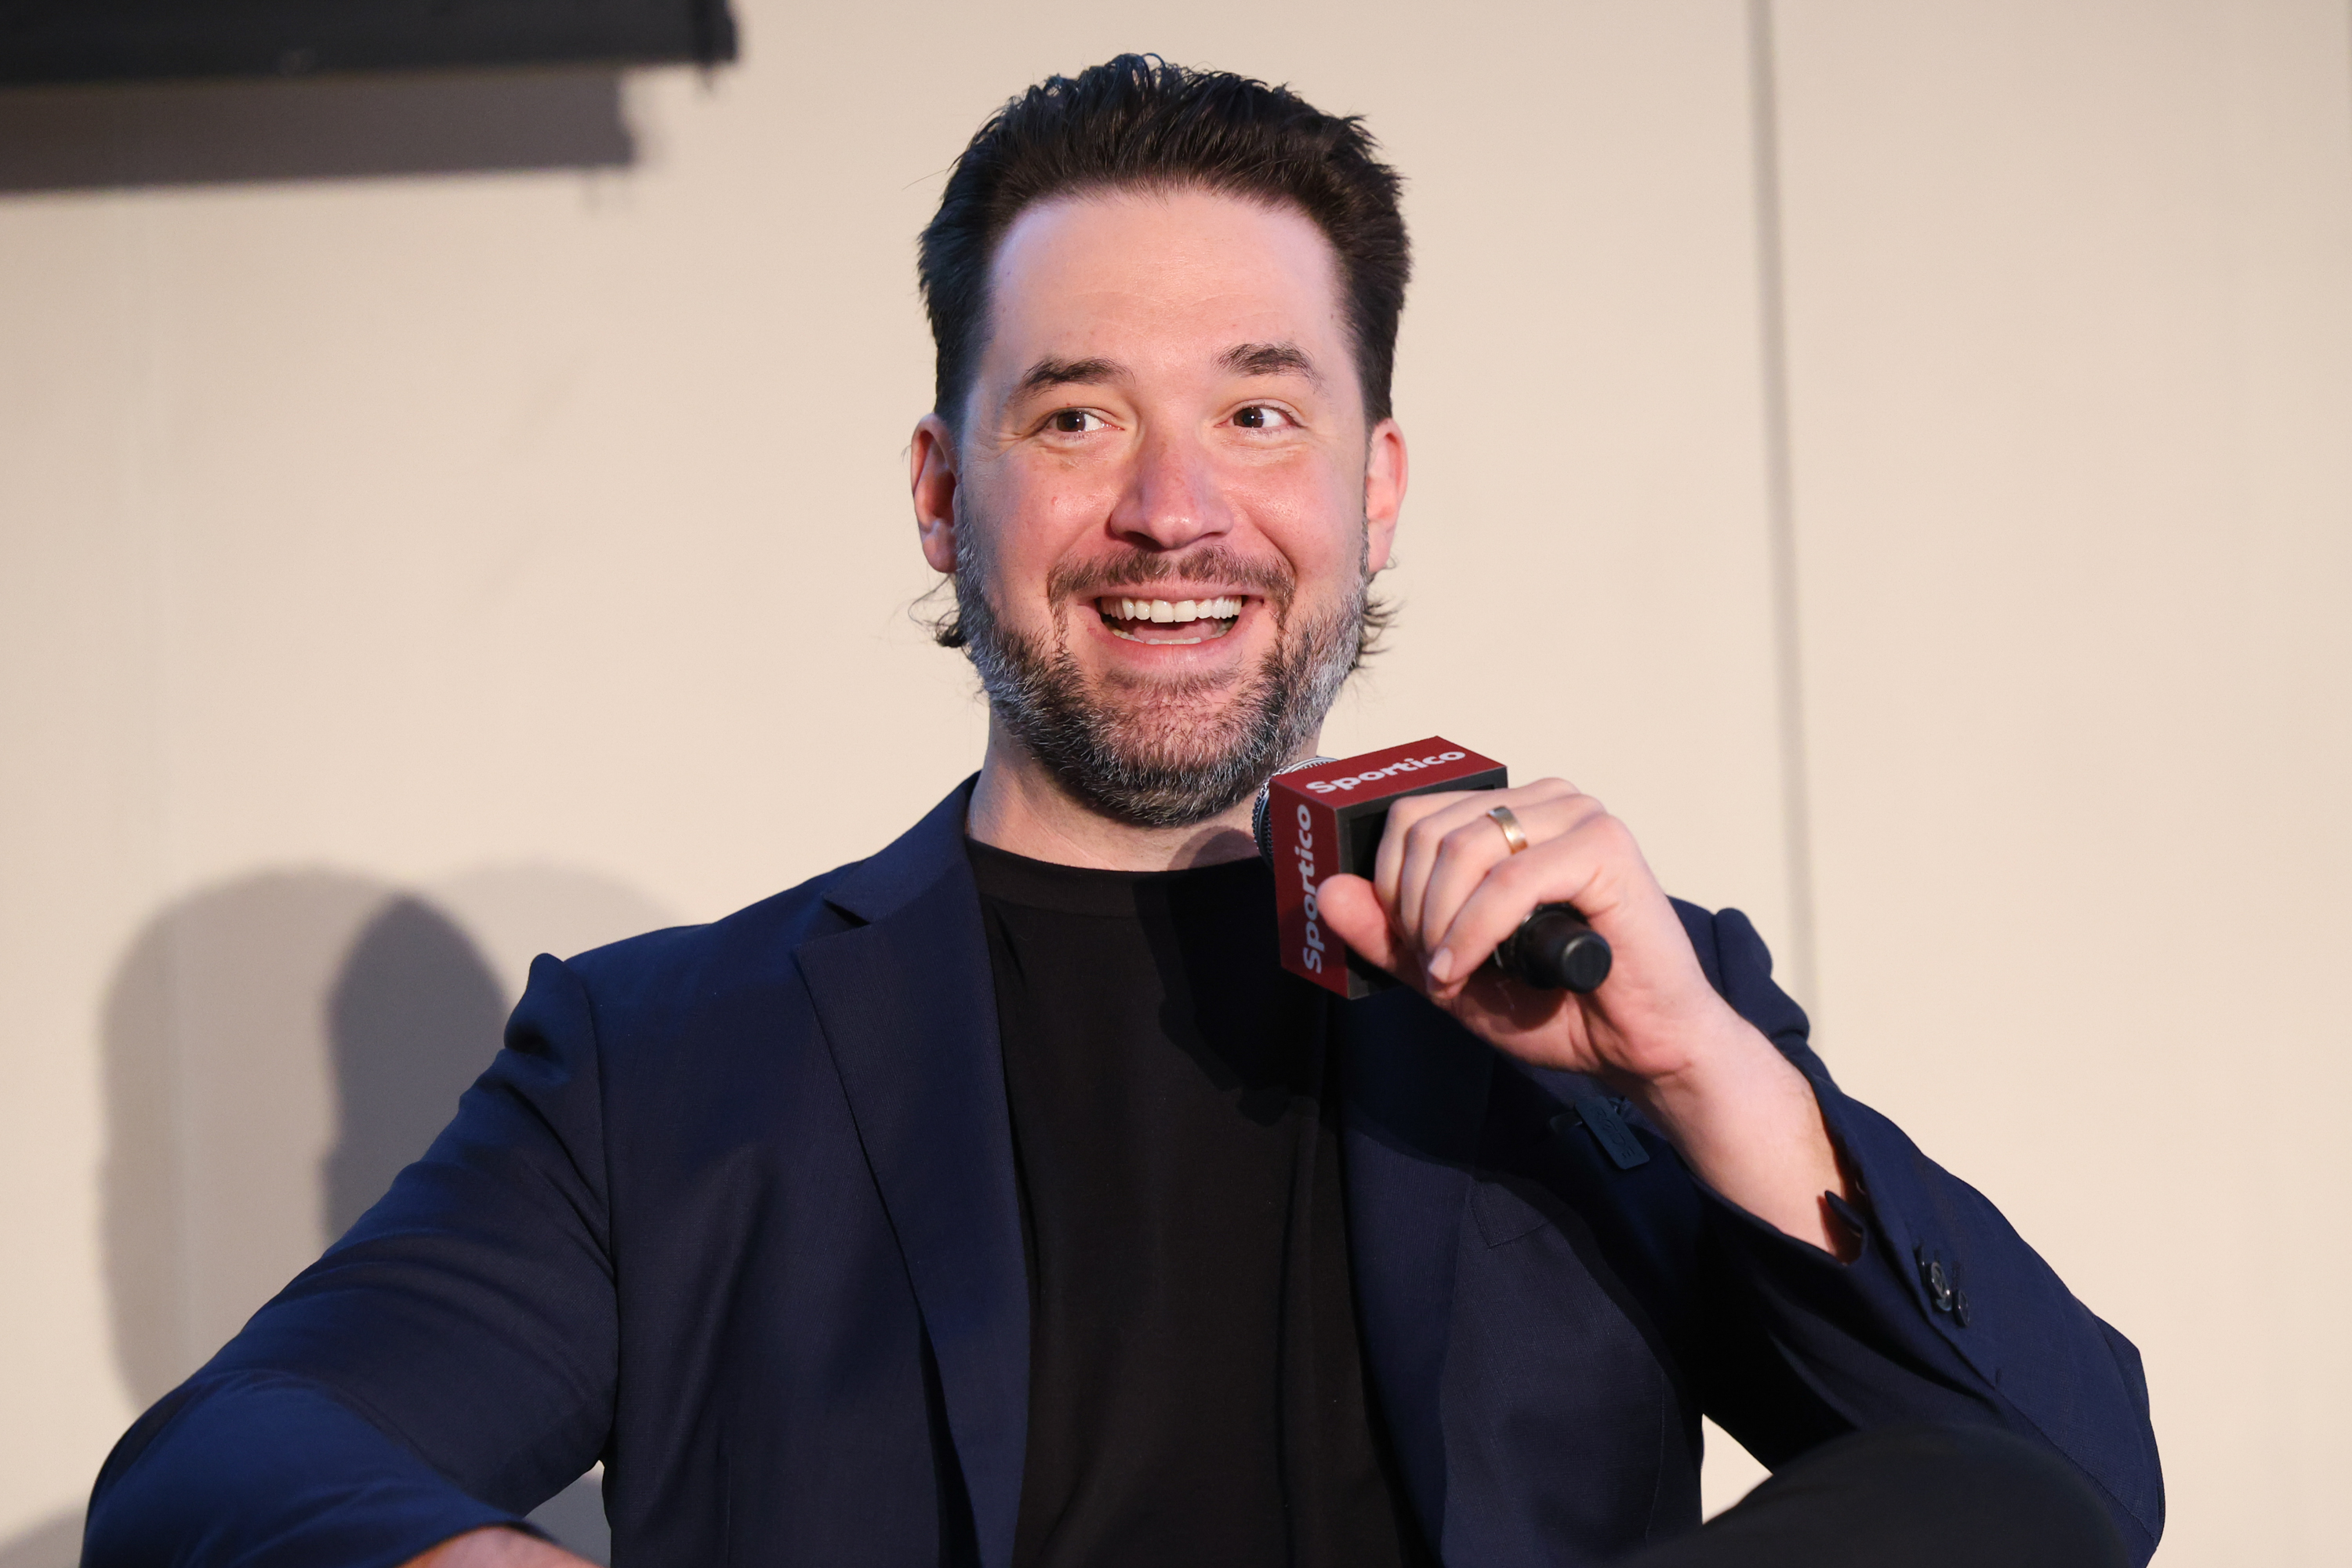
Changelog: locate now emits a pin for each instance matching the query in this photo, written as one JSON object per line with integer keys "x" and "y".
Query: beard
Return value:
{"x": 1160, "y": 754}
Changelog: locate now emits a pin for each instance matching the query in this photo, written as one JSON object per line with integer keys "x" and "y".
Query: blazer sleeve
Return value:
{"x": 1945, "y": 1315}
{"x": 449, "y": 1363}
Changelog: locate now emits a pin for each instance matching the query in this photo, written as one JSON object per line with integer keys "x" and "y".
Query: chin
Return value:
{"x": 1180, "y": 731}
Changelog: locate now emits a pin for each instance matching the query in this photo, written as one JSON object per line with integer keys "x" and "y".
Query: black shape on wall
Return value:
{"x": 412, "y": 1019}
{"x": 215, "y": 1188}
{"x": 55, "y": 41}
{"x": 56, "y": 1542}
{"x": 147, "y": 134}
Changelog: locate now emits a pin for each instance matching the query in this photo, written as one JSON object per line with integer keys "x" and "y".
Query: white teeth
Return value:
{"x": 1177, "y": 611}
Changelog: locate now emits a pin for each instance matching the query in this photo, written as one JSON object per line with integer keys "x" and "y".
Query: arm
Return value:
{"x": 1447, "y": 889}
{"x": 445, "y": 1367}
{"x": 1945, "y": 1314}
{"x": 1850, "y": 1282}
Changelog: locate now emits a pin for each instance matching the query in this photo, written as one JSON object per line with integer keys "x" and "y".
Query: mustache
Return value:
{"x": 1272, "y": 580}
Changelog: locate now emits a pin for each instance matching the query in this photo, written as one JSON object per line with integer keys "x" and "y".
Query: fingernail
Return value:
{"x": 1441, "y": 965}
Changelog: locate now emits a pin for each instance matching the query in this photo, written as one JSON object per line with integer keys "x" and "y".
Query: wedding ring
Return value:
{"x": 1509, "y": 823}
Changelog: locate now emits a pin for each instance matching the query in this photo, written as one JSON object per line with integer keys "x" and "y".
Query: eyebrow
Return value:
{"x": 1271, "y": 359}
{"x": 1051, "y": 372}
{"x": 1242, "y": 359}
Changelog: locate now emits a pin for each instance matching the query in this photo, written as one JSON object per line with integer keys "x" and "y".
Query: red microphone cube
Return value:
{"x": 1327, "y": 818}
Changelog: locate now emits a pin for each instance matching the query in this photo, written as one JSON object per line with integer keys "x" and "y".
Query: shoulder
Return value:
{"x": 743, "y": 972}
{"x": 752, "y": 948}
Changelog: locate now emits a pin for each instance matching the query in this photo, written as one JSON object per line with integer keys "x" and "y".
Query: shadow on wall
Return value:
{"x": 275, "y": 1049}
{"x": 121, "y": 136}
{"x": 54, "y": 1544}
{"x": 223, "y": 1107}
{"x": 414, "y": 1018}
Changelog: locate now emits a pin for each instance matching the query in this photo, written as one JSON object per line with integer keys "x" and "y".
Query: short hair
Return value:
{"x": 1137, "y": 122}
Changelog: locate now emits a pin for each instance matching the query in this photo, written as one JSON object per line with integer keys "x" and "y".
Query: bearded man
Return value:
{"x": 999, "y": 1200}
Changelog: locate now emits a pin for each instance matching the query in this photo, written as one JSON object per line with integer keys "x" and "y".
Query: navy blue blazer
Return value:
{"x": 734, "y": 1212}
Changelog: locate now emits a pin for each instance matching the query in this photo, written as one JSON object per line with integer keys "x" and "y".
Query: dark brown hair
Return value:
{"x": 1138, "y": 120}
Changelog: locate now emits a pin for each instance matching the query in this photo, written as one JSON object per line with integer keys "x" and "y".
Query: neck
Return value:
{"x": 1017, "y": 805}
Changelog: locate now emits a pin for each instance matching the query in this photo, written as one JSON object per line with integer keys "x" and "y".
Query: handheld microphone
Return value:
{"x": 1325, "y": 815}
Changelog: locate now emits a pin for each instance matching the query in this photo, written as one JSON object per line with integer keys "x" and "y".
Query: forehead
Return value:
{"x": 1147, "y": 276}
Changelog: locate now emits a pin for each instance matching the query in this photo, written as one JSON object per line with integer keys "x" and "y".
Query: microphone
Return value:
{"x": 1326, "y": 815}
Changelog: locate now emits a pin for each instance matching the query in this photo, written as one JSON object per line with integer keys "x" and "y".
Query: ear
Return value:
{"x": 1384, "y": 478}
{"x": 930, "y": 461}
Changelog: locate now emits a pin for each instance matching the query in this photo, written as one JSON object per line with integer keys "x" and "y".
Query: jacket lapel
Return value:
{"x": 909, "y": 1007}
{"x": 1414, "y": 1087}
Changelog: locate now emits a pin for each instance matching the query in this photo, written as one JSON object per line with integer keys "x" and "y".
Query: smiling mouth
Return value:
{"x": 1168, "y": 621}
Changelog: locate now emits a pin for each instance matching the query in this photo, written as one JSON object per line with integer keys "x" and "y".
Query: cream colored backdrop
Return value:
{"x": 1917, "y": 433}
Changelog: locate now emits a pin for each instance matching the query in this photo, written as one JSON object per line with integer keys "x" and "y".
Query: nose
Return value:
{"x": 1172, "y": 498}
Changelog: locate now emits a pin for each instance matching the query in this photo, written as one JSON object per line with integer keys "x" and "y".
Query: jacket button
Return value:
{"x": 1941, "y": 1291}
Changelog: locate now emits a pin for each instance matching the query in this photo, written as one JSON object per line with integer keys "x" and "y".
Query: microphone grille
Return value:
{"x": 1260, "y": 828}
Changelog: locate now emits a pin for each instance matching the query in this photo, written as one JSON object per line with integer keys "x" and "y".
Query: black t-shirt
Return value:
{"x": 1196, "y": 1389}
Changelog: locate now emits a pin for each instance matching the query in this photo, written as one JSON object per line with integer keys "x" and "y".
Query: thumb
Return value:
{"x": 1353, "y": 912}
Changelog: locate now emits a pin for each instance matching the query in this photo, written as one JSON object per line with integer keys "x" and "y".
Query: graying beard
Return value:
{"x": 1041, "y": 696}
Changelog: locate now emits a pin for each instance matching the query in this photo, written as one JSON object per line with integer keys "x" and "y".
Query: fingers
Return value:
{"x": 1438, "y": 846}
{"x": 1475, "y": 852}
{"x": 1352, "y": 913}
{"x": 1565, "y": 868}
{"x": 1434, "y": 857}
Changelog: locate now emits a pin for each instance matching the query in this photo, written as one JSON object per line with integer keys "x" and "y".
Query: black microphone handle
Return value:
{"x": 1554, "y": 950}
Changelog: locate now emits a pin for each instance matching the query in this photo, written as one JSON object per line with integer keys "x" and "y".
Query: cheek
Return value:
{"x": 1317, "y": 521}
{"x": 1031, "y": 529}
{"x": 1053, "y": 503}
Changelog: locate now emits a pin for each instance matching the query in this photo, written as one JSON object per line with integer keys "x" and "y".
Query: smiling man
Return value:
{"x": 998, "y": 1199}
{"x": 1159, "y": 461}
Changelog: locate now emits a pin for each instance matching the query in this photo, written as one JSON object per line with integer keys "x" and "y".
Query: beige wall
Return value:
{"x": 400, "y": 575}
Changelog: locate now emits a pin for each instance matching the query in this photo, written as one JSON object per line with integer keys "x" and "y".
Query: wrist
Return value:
{"x": 1748, "y": 1124}
{"x": 1726, "y": 1068}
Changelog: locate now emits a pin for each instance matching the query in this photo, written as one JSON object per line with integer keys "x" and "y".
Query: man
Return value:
{"x": 998, "y": 1200}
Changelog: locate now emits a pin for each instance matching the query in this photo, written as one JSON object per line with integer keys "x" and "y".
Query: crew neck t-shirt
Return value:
{"x": 1196, "y": 1388}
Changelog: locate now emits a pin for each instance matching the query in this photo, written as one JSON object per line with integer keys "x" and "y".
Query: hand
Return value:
{"x": 1447, "y": 889}
{"x": 497, "y": 1547}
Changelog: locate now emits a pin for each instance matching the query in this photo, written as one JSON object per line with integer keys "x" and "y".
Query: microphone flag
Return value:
{"x": 1326, "y": 817}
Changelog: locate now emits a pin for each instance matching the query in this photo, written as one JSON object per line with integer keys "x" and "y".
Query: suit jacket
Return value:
{"x": 734, "y": 1211}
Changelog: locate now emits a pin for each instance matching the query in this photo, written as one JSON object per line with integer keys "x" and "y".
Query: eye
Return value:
{"x": 1262, "y": 417}
{"x": 1076, "y": 421}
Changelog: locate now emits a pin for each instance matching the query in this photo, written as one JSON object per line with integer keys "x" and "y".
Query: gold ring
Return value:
{"x": 1509, "y": 823}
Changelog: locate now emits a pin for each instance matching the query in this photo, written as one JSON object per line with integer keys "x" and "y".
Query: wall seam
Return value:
{"x": 1799, "y": 967}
